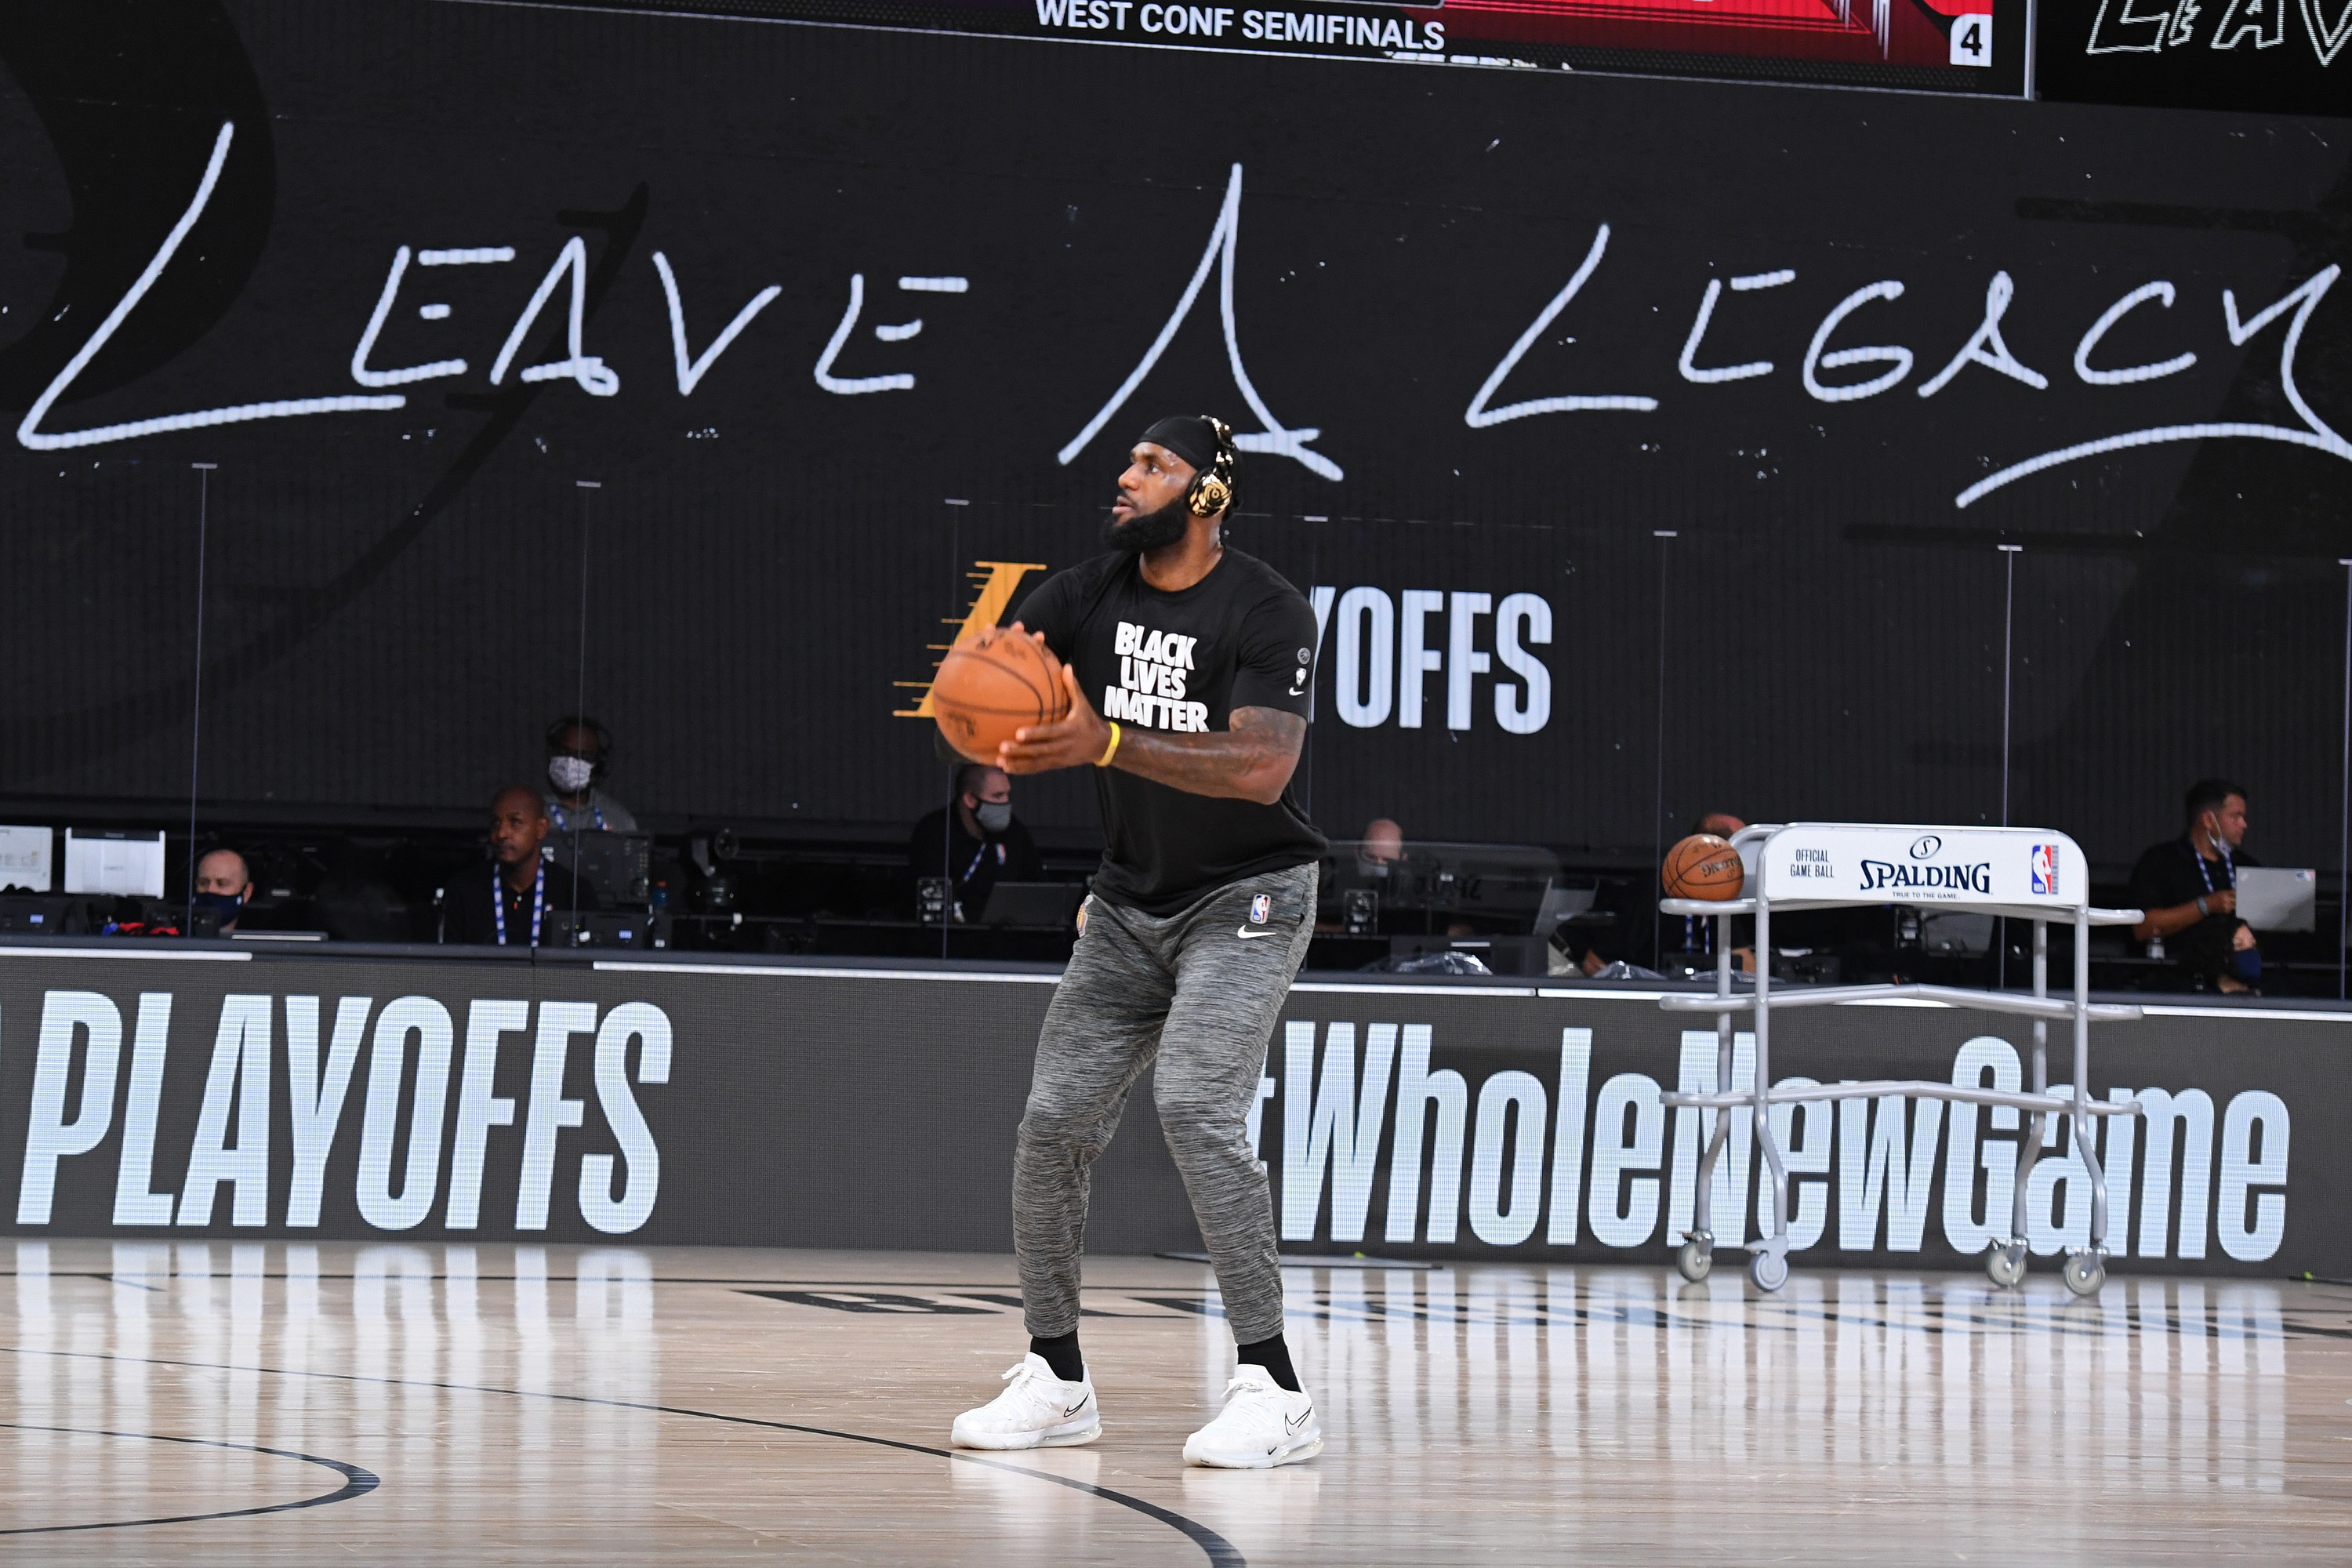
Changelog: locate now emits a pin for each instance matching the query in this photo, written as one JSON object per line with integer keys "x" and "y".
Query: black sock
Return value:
{"x": 1061, "y": 1354}
{"x": 1275, "y": 1356}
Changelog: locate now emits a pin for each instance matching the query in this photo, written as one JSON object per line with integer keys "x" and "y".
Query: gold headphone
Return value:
{"x": 1212, "y": 487}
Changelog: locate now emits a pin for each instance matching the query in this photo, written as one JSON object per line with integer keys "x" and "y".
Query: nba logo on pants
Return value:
{"x": 1261, "y": 906}
{"x": 2045, "y": 868}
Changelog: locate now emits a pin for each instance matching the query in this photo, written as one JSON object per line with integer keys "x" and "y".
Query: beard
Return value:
{"x": 1149, "y": 530}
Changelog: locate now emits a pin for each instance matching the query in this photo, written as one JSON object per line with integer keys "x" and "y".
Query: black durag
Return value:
{"x": 1190, "y": 436}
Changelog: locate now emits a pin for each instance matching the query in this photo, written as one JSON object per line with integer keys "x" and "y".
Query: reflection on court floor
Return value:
{"x": 202, "y": 1403}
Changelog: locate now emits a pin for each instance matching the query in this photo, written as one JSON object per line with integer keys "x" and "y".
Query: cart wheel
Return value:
{"x": 1695, "y": 1261}
{"x": 1768, "y": 1270}
{"x": 2084, "y": 1273}
{"x": 2006, "y": 1265}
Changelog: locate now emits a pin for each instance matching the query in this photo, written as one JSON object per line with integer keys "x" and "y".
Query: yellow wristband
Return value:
{"x": 1111, "y": 750}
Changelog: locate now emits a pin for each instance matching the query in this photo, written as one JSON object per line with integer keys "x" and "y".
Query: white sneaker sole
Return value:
{"x": 1069, "y": 1435}
{"x": 1297, "y": 1451}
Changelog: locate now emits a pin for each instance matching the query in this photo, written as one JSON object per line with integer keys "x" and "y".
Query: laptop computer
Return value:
{"x": 1501, "y": 954}
{"x": 129, "y": 865}
{"x": 2277, "y": 898}
{"x": 614, "y": 868}
{"x": 594, "y": 928}
{"x": 43, "y": 914}
{"x": 1032, "y": 904}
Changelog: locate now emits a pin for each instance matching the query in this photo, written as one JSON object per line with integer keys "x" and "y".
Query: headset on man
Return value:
{"x": 1212, "y": 489}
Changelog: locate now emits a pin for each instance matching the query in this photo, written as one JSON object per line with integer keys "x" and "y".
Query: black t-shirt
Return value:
{"x": 468, "y": 915}
{"x": 940, "y": 847}
{"x": 2168, "y": 874}
{"x": 1180, "y": 663}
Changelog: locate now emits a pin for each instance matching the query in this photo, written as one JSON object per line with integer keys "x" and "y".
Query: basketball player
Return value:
{"x": 1190, "y": 667}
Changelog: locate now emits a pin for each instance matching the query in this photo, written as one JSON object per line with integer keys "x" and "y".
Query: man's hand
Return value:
{"x": 1070, "y": 742}
{"x": 1252, "y": 759}
{"x": 2180, "y": 917}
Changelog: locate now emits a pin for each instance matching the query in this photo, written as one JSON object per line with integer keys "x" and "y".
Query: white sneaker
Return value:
{"x": 1037, "y": 1411}
{"x": 1262, "y": 1425}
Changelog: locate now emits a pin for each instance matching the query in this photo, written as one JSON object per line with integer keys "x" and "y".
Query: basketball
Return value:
{"x": 989, "y": 687}
{"x": 1702, "y": 866}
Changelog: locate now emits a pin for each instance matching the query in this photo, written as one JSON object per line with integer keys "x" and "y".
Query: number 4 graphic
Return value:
{"x": 1973, "y": 39}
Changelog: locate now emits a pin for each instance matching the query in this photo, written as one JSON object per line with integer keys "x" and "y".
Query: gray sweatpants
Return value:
{"x": 1202, "y": 991}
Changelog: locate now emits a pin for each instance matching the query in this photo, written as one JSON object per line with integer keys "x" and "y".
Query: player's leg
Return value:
{"x": 1235, "y": 961}
{"x": 1099, "y": 1035}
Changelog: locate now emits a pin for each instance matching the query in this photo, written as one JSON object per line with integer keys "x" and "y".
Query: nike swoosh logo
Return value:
{"x": 1074, "y": 1409}
{"x": 1290, "y": 1426}
{"x": 1246, "y": 934}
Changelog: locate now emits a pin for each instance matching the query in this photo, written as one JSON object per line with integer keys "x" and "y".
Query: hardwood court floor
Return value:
{"x": 462, "y": 1405}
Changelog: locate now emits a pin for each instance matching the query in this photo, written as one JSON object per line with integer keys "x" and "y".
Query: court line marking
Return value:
{"x": 620, "y": 966}
{"x": 1546, "y": 993}
{"x": 1570, "y": 992}
{"x": 102, "y": 1275}
{"x": 624, "y": 966}
{"x": 1328, "y": 987}
{"x": 357, "y": 1482}
{"x": 2292, "y": 1017}
{"x": 124, "y": 952}
{"x": 2019, "y": 1315}
{"x": 1221, "y": 1552}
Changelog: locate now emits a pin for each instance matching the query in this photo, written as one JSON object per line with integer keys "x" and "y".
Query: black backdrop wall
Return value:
{"x": 394, "y": 599}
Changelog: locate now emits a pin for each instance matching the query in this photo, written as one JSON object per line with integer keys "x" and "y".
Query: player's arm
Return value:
{"x": 1253, "y": 760}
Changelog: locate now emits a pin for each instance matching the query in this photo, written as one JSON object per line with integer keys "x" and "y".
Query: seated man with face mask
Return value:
{"x": 1376, "y": 864}
{"x": 1383, "y": 846}
{"x": 223, "y": 886}
{"x": 579, "y": 755}
{"x": 975, "y": 841}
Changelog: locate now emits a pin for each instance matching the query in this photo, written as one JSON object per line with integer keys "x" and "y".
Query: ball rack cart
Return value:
{"x": 2021, "y": 873}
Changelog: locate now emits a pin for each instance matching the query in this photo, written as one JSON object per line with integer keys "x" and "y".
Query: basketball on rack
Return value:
{"x": 1702, "y": 866}
{"x": 989, "y": 687}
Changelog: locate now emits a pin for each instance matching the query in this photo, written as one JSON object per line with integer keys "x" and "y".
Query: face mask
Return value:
{"x": 995, "y": 815}
{"x": 225, "y": 904}
{"x": 570, "y": 775}
{"x": 2247, "y": 965}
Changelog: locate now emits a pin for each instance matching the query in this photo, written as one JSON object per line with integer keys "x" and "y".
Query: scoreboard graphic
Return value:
{"x": 1955, "y": 35}
{"x": 1964, "y": 46}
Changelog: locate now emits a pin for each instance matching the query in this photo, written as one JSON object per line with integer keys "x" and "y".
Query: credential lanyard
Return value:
{"x": 538, "y": 902}
{"x": 1699, "y": 933}
{"x": 563, "y": 819}
{"x": 2228, "y": 866}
